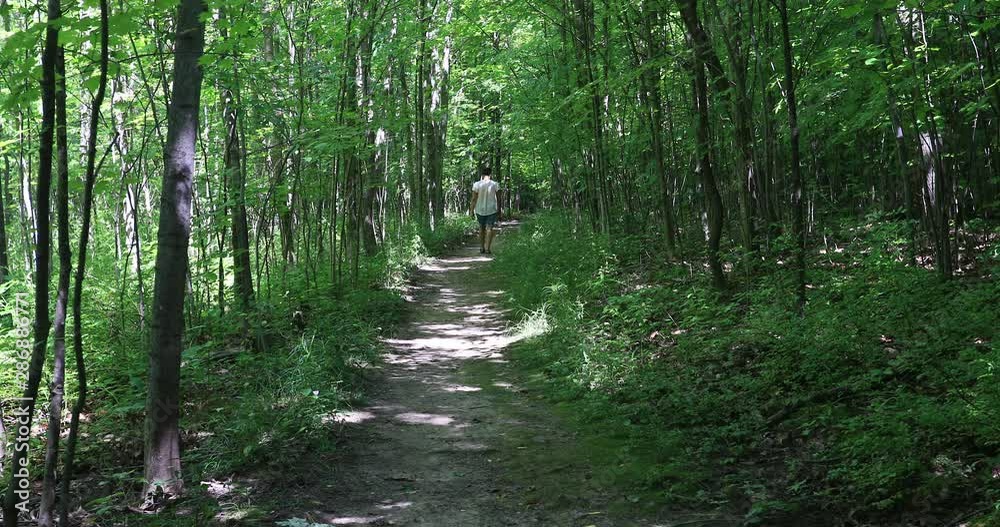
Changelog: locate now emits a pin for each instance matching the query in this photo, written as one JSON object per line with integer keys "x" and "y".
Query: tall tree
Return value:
{"x": 19, "y": 487}
{"x": 90, "y": 178}
{"x": 798, "y": 209}
{"x": 162, "y": 448}
{"x": 46, "y": 508}
{"x": 235, "y": 173}
{"x": 4, "y": 199}
{"x": 701, "y": 57}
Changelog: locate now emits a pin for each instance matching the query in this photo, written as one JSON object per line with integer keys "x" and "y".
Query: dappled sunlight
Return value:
{"x": 453, "y": 260}
{"x": 349, "y": 417}
{"x": 356, "y": 520}
{"x": 459, "y": 388}
{"x": 455, "y": 263}
{"x": 441, "y": 269}
{"x": 441, "y": 327}
{"x": 426, "y": 410}
{"x": 464, "y": 326}
{"x": 415, "y": 418}
{"x": 396, "y": 505}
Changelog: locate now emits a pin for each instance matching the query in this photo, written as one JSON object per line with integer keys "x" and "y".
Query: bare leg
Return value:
{"x": 482, "y": 237}
{"x": 489, "y": 238}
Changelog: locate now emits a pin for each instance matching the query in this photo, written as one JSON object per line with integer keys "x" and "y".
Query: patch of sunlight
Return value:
{"x": 218, "y": 489}
{"x": 238, "y": 514}
{"x": 440, "y": 327}
{"x": 234, "y": 516}
{"x": 397, "y": 505}
{"x": 534, "y": 325}
{"x": 357, "y": 520}
{"x": 473, "y": 447}
{"x": 346, "y": 520}
{"x": 433, "y": 268}
{"x": 467, "y": 259}
{"x": 348, "y": 417}
{"x": 414, "y": 418}
{"x": 453, "y": 388}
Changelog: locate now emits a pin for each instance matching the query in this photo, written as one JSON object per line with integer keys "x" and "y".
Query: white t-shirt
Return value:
{"x": 486, "y": 204}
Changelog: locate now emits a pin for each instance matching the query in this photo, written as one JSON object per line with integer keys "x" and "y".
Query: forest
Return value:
{"x": 745, "y": 270}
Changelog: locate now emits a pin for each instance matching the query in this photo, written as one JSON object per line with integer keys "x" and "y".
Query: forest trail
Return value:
{"x": 449, "y": 438}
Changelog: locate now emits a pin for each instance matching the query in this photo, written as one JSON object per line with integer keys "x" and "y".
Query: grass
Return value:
{"x": 880, "y": 404}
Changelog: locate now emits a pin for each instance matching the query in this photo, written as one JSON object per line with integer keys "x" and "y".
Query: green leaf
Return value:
{"x": 122, "y": 24}
{"x": 92, "y": 83}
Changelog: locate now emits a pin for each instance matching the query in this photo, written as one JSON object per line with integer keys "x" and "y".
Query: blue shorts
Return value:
{"x": 488, "y": 220}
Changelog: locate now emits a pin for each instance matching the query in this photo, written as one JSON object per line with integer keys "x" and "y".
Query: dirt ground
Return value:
{"x": 451, "y": 437}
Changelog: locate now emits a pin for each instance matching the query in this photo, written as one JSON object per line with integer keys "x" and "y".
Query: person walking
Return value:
{"x": 486, "y": 206}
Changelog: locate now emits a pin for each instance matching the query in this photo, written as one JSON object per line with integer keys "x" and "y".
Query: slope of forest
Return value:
{"x": 878, "y": 406}
{"x": 776, "y": 241}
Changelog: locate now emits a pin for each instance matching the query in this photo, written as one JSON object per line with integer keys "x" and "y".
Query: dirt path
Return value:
{"x": 449, "y": 437}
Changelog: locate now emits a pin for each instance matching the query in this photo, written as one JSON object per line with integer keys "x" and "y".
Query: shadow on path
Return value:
{"x": 439, "y": 444}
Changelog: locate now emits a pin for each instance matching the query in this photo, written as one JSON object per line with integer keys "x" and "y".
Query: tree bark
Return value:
{"x": 698, "y": 39}
{"x": 903, "y": 146}
{"x": 81, "y": 264}
{"x": 162, "y": 448}
{"x": 654, "y": 110}
{"x": 233, "y": 161}
{"x": 46, "y": 508}
{"x": 19, "y": 486}
{"x": 798, "y": 212}
{"x": 4, "y": 183}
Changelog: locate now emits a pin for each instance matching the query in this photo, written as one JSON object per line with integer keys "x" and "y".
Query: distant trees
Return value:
{"x": 892, "y": 148}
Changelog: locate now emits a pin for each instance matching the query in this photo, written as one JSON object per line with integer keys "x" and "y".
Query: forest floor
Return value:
{"x": 453, "y": 435}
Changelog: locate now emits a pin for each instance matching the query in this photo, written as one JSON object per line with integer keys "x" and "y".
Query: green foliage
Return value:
{"x": 882, "y": 397}
{"x": 414, "y": 245}
{"x": 267, "y": 407}
{"x": 245, "y": 406}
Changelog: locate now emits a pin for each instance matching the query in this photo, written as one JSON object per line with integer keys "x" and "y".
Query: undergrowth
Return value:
{"x": 879, "y": 406}
{"x": 258, "y": 391}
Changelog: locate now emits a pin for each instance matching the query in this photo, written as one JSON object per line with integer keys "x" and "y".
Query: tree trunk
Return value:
{"x": 162, "y": 449}
{"x": 4, "y": 183}
{"x": 81, "y": 264}
{"x": 233, "y": 161}
{"x": 697, "y": 39}
{"x": 421, "y": 206}
{"x": 798, "y": 212}
{"x": 46, "y": 508}
{"x": 19, "y": 488}
{"x": 903, "y": 146}
{"x": 654, "y": 109}
{"x": 585, "y": 28}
